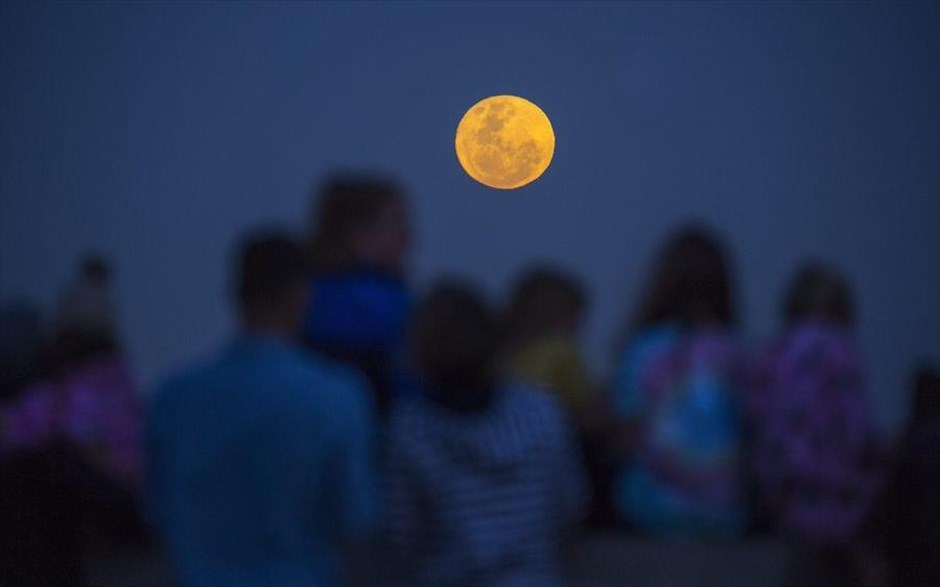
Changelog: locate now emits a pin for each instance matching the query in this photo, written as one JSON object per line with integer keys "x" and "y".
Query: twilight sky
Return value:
{"x": 157, "y": 132}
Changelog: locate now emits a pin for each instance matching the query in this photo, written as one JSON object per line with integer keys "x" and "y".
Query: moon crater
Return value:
{"x": 505, "y": 142}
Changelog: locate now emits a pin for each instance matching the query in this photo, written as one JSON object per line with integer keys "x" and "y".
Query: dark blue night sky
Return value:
{"x": 157, "y": 132}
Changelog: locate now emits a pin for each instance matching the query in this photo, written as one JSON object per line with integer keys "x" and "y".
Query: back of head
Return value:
{"x": 691, "y": 284}
{"x": 452, "y": 343}
{"x": 347, "y": 204}
{"x": 544, "y": 301}
{"x": 85, "y": 321}
{"x": 96, "y": 269}
{"x": 819, "y": 293}
{"x": 271, "y": 275}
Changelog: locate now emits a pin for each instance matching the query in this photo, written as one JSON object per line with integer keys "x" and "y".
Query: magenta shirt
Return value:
{"x": 814, "y": 437}
{"x": 93, "y": 406}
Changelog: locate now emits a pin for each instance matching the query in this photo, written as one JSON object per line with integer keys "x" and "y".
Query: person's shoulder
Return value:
{"x": 408, "y": 412}
{"x": 186, "y": 375}
{"x": 650, "y": 349}
{"x": 183, "y": 385}
{"x": 533, "y": 402}
{"x": 383, "y": 287}
{"x": 658, "y": 334}
{"x": 362, "y": 277}
{"x": 410, "y": 423}
{"x": 541, "y": 360}
{"x": 820, "y": 333}
{"x": 713, "y": 347}
{"x": 313, "y": 369}
{"x": 329, "y": 384}
{"x": 652, "y": 341}
{"x": 527, "y": 395}
{"x": 341, "y": 299}
{"x": 554, "y": 349}
{"x": 823, "y": 341}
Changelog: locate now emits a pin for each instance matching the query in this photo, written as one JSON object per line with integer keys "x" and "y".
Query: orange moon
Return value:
{"x": 505, "y": 142}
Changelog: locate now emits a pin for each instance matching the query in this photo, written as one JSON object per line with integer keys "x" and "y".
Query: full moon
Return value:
{"x": 505, "y": 142}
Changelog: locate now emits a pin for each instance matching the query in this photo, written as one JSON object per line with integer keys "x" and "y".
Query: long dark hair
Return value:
{"x": 344, "y": 203}
{"x": 691, "y": 284}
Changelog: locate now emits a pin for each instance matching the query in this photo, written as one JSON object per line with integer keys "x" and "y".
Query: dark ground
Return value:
{"x": 599, "y": 560}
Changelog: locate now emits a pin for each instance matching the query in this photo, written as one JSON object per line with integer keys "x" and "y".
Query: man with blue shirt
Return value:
{"x": 260, "y": 459}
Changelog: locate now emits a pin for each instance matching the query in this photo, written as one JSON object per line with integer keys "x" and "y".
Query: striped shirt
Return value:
{"x": 483, "y": 499}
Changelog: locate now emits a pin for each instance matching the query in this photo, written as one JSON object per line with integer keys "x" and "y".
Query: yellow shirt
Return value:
{"x": 555, "y": 363}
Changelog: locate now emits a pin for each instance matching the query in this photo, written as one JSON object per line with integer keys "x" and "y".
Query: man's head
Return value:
{"x": 272, "y": 283}
{"x": 360, "y": 219}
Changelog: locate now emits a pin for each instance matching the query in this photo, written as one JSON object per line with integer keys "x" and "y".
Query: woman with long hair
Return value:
{"x": 676, "y": 397}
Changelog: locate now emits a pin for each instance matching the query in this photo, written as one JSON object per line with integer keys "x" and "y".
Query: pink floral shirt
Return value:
{"x": 814, "y": 437}
{"x": 93, "y": 406}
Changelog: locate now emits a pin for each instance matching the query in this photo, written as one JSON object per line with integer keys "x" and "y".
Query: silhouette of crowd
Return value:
{"x": 466, "y": 442}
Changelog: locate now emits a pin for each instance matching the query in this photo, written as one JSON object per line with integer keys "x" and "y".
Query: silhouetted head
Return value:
{"x": 926, "y": 400}
{"x": 85, "y": 317}
{"x": 820, "y": 293}
{"x": 452, "y": 342}
{"x": 272, "y": 283}
{"x": 360, "y": 220}
{"x": 544, "y": 301}
{"x": 691, "y": 284}
{"x": 96, "y": 269}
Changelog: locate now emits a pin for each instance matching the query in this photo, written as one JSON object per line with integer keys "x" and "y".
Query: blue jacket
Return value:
{"x": 260, "y": 464}
{"x": 358, "y": 316}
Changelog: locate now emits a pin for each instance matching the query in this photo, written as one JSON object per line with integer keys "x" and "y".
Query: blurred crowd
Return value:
{"x": 467, "y": 440}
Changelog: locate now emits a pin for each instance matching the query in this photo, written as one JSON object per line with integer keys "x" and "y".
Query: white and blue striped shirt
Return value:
{"x": 483, "y": 499}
